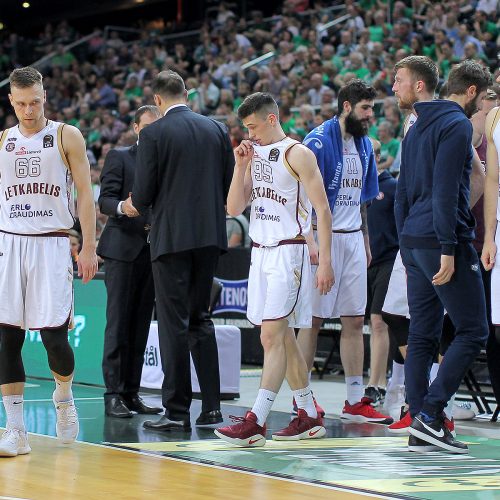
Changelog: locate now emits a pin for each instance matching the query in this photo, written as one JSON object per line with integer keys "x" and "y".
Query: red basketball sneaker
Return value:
{"x": 364, "y": 412}
{"x": 403, "y": 424}
{"x": 245, "y": 433}
{"x": 302, "y": 427}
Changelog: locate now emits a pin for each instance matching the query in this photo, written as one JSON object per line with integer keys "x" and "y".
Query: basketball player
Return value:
{"x": 347, "y": 163}
{"x": 492, "y": 213}
{"x": 39, "y": 160}
{"x": 279, "y": 176}
{"x": 435, "y": 228}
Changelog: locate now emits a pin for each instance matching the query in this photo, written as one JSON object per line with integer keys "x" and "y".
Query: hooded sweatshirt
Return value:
{"x": 432, "y": 197}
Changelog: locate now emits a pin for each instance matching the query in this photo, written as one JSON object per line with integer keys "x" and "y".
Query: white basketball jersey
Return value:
{"x": 496, "y": 140}
{"x": 346, "y": 215}
{"x": 36, "y": 186}
{"x": 280, "y": 209}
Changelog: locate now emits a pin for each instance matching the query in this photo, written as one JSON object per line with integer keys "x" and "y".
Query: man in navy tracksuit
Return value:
{"x": 436, "y": 228}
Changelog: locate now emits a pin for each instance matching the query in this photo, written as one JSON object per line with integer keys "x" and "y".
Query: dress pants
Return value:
{"x": 464, "y": 300}
{"x": 183, "y": 282}
{"x": 130, "y": 291}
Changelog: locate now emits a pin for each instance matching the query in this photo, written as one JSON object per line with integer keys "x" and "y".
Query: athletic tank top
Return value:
{"x": 36, "y": 186}
{"x": 496, "y": 140}
{"x": 280, "y": 209}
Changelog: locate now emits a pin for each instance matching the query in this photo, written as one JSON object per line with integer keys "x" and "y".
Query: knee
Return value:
{"x": 11, "y": 342}
{"x": 270, "y": 340}
{"x": 55, "y": 342}
{"x": 378, "y": 325}
{"x": 352, "y": 326}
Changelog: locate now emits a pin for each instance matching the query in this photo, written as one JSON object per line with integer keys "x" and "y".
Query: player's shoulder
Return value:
{"x": 492, "y": 119}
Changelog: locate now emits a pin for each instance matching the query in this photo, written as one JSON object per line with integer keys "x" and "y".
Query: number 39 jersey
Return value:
{"x": 280, "y": 209}
{"x": 36, "y": 186}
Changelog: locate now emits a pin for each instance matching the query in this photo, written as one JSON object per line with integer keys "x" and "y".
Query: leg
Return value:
{"x": 118, "y": 278}
{"x": 201, "y": 337}
{"x": 142, "y": 303}
{"x": 172, "y": 277}
{"x": 379, "y": 351}
{"x": 351, "y": 355}
{"x": 426, "y": 321}
{"x": 463, "y": 299}
{"x": 307, "y": 340}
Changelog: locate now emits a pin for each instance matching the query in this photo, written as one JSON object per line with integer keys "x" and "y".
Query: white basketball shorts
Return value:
{"x": 349, "y": 293}
{"x": 279, "y": 285}
{"x": 396, "y": 300}
{"x": 495, "y": 283}
{"x": 36, "y": 281}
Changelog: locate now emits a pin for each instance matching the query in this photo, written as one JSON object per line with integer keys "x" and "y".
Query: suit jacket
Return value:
{"x": 123, "y": 238}
{"x": 187, "y": 165}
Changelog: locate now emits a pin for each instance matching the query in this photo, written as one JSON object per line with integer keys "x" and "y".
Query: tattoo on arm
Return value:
{"x": 364, "y": 221}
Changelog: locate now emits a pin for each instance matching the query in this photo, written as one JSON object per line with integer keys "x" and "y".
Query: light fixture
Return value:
{"x": 26, "y": 5}
{"x": 2, "y": 26}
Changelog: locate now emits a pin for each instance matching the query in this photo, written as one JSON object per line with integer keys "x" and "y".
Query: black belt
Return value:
{"x": 294, "y": 241}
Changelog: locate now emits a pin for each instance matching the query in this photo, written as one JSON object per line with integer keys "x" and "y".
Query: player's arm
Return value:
{"x": 364, "y": 230}
{"x": 476, "y": 179}
{"x": 303, "y": 163}
{"x": 490, "y": 195}
{"x": 74, "y": 148}
{"x": 241, "y": 184}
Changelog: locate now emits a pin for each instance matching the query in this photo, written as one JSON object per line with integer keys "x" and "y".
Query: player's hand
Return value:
{"x": 128, "y": 209}
{"x": 243, "y": 153}
{"x": 87, "y": 264}
{"x": 325, "y": 278}
{"x": 488, "y": 254}
{"x": 446, "y": 271}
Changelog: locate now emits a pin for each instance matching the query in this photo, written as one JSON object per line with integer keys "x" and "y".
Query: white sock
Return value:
{"x": 448, "y": 409}
{"x": 63, "y": 390}
{"x": 398, "y": 374}
{"x": 14, "y": 406}
{"x": 355, "y": 389}
{"x": 263, "y": 404}
{"x": 304, "y": 400}
{"x": 434, "y": 372}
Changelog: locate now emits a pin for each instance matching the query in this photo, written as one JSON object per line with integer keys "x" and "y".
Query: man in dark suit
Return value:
{"x": 187, "y": 164}
{"x": 128, "y": 278}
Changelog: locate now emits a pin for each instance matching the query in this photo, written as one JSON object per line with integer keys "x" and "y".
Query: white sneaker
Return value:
{"x": 67, "y": 426}
{"x": 463, "y": 411}
{"x": 394, "y": 400}
{"x": 14, "y": 442}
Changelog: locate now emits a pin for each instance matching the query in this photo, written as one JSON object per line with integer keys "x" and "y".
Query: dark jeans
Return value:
{"x": 183, "y": 282}
{"x": 464, "y": 300}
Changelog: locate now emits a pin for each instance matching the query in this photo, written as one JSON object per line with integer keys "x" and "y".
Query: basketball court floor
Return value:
{"x": 116, "y": 458}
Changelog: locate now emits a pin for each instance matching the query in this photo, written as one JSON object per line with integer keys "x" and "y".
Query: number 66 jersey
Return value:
{"x": 36, "y": 186}
{"x": 280, "y": 208}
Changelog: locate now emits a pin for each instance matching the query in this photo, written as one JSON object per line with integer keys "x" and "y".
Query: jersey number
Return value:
{"x": 262, "y": 171}
{"x": 28, "y": 167}
{"x": 352, "y": 168}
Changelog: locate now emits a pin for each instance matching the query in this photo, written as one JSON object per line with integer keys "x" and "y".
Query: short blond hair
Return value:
{"x": 26, "y": 77}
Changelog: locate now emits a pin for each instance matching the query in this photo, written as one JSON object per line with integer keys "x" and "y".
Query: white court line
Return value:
{"x": 227, "y": 469}
{"x": 12, "y": 498}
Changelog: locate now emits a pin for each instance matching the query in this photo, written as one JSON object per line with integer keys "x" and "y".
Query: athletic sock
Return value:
{"x": 355, "y": 389}
{"x": 263, "y": 404}
{"x": 448, "y": 409}
{"x": 14, "y": 408}
{"x": 304, "y": 400}
{"x": 398, "y": 374}
{"x": 434, "y": 372}
{"x": 63, "y": 390}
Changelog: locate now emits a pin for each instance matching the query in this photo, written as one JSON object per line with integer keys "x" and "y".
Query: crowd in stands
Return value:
{"x": 98, "y": 86}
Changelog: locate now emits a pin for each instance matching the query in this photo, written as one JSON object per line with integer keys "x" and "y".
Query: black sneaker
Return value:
{"x": 373, "y": 393}
{"x": 418, "y": 446}
{"x": 436, "y": 433}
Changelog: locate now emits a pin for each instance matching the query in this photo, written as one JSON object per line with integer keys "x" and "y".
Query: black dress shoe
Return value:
{"x": 136, "y": 403}
{"x": 209, "y": 418}
{"x": 115, "y": 407}
{"x": 165, "y": 424}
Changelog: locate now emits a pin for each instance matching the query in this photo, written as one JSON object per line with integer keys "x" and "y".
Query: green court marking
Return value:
{"x": 380, "y": 464}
